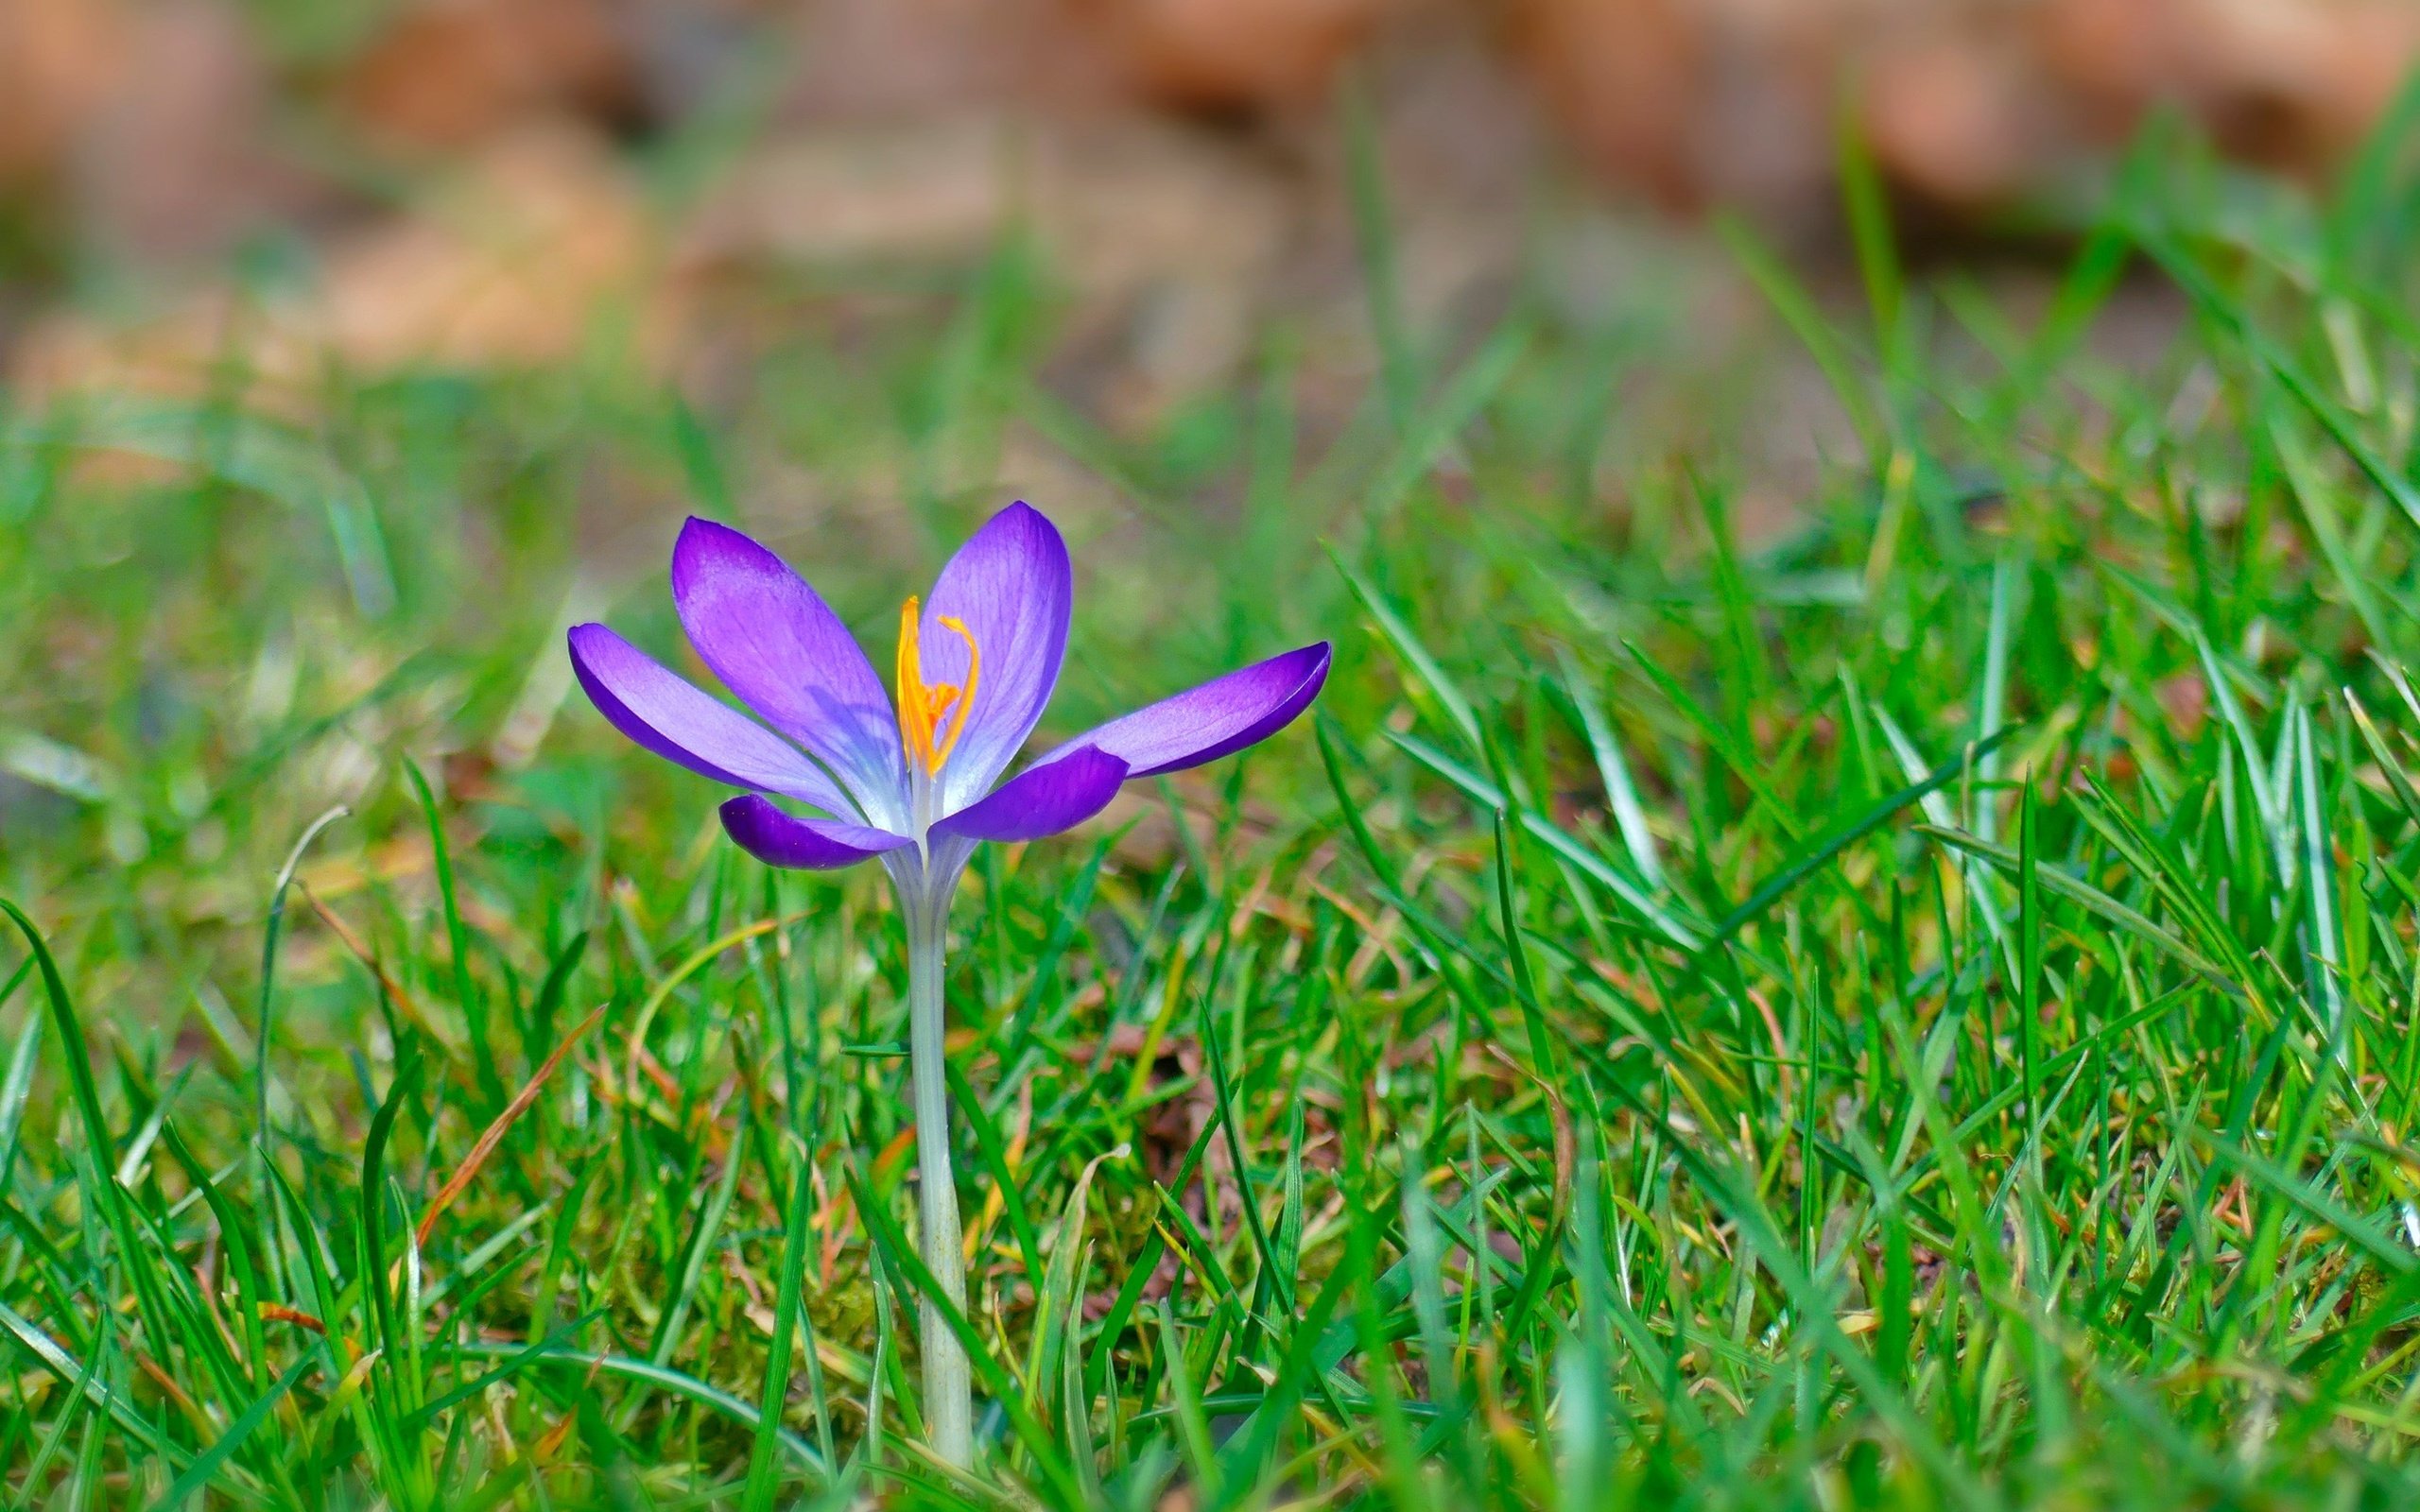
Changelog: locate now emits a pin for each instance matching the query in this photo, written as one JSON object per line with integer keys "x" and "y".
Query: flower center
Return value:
{"x": 925, "y": 707}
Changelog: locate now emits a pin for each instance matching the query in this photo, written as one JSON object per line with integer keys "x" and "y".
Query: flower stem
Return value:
{"x": 949, "y": 1411}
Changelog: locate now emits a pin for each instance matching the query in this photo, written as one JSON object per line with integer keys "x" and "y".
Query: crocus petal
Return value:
{"x": 655, "y": 706}
{"x": 1219, "y": 717}
{"x": 1010, "y": 587}
{"x": 780, "y": 839}
{"x": 1042, "y": 800}
{"x": 777, "y": 644}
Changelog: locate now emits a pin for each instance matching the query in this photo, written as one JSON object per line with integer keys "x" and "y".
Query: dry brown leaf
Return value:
{"x": 1955, "y": 117}
{"x": 506, "y": 268}
{"x": 1228, "y": 55}
{"x": 446, "y": 73}
{"x": 1625, "y": 78}
{"x": 59, "y": 60}
{"x": 505, "y": 265}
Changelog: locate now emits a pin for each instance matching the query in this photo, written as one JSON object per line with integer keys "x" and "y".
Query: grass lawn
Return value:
{"x": 1910, "y": 1011}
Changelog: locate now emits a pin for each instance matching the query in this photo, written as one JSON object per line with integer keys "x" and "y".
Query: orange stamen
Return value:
{"x": 923, "y": 706}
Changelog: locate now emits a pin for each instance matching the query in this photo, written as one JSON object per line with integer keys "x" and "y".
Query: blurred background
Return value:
{"x": 390, "y": 185}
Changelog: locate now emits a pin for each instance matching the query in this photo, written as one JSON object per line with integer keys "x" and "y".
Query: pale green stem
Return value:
{"x": 949, "y": 1410}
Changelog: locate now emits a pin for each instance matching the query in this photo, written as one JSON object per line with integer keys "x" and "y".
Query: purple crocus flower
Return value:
{"x": 912, "y": 783}
{"x": 910, "y": 779}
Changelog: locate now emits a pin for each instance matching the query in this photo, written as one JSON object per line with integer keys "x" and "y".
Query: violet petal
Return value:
{"x": 1011, "y": 586}
{"x": 780, "y": 839}
{"x": 657, "y": 708}
{"x": 1218, "y": 719}
{"x": 774, "y": 641}
{"x": 1039, "y": 801}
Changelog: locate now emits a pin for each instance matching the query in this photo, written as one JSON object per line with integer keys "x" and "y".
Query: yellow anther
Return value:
{"x": 923, "y": 706}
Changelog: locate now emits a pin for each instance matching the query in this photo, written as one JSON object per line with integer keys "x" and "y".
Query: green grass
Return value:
{"x": 1915, "y": 1012}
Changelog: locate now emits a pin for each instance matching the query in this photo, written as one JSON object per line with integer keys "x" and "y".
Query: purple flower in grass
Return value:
{"x": 913, "y": 779}
{"x": 910, "y": 782}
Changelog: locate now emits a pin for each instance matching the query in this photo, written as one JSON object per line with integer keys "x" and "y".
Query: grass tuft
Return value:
{"x": 1908, "y": 1009}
